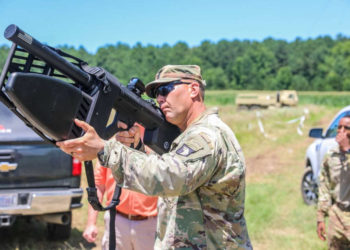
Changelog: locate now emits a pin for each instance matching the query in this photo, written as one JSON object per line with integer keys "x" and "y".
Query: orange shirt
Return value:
{"x": 130, "y": 202}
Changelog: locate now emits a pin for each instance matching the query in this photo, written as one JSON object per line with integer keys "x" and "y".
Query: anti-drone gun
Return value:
{"x": 48, "y": 88}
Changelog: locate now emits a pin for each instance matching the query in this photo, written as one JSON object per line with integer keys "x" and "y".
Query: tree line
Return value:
{"x": 321, "y": 64}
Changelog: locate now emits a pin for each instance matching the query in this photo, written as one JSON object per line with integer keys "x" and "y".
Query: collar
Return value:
{"x": 207, "y": 112}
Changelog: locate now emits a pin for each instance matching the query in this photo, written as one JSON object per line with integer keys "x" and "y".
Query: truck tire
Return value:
{"x": 243, "y": 107}
{"x": 254, "y": 107}
{"x": 309, "y": 187}
{"x": 59, "y": 231}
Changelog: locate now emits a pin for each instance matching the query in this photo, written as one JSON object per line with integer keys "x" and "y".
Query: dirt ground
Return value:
{"x": 274, "y": 159}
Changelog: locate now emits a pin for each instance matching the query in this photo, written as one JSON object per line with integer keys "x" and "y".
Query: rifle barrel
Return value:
{"x": 33, "y": 46}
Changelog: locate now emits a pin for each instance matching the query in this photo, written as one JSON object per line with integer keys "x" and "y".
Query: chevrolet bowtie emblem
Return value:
{"x": 7, "y": 167}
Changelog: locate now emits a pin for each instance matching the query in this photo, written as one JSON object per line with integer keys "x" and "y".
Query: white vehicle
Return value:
{"x": 314, "y": 156}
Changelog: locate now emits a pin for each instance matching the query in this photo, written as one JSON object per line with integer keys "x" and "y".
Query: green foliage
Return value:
{"x": 217, "y": 76}
{"x": 330, "y": 99}
{"x": 321, "y": 64}
{"x": 4, "y": 50}
{"x": 219, "y": 98}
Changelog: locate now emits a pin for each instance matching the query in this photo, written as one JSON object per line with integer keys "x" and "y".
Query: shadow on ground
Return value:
{"x": 27, "y": 233}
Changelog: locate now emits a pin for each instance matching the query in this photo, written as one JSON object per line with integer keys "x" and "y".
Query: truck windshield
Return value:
{"x": 14, "y": 129}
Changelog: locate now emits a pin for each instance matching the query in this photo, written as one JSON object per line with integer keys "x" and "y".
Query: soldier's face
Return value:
{"x": 344, "y": 126}
{"x": 176, "y": 104}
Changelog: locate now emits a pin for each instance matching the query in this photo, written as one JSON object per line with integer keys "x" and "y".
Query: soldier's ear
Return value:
{"x": 194, "y": 89}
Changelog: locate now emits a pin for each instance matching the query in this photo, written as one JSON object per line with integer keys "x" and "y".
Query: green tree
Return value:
{"x": 255, "y": 68}
{"x": 339, "y": 65}
{"x": 283, "y": 79}
{"x": 299, "y": 83}
{"x": 4, "y": 50}
{"x": 216, "y": 78}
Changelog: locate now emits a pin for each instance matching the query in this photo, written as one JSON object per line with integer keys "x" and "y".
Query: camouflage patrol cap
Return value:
{"x": 170, "y": 73}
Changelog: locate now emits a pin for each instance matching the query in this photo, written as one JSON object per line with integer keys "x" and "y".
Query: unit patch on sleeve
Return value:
{"x": 185, "y": 150}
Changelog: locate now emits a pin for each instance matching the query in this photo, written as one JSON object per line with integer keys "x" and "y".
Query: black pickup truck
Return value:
{"x": 36, "y": 178}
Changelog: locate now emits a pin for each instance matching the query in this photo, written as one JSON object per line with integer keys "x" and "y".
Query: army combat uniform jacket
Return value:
{"x": 200, "y": 184}
{"x": 334, "y": 198}
{"x": 334, "y": 187}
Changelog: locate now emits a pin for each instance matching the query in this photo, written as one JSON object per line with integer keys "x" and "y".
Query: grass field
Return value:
{"x": 276, "y": 216}
{"x": 330, "y": 99}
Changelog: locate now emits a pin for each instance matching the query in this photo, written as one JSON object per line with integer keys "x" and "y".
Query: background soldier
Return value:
{"x": 334, "y": 191}
{"x": 200, "y": 182}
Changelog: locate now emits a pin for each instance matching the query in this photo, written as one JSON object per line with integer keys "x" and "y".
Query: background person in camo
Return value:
{"x": 200, "y": 182}
{"x": 334, "y": 191}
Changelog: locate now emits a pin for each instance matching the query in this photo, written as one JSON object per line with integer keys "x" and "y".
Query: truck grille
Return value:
{"x": 7, "y": 155}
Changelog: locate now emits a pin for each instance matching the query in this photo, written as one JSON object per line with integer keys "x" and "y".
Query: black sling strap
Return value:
{"x": 95, "y": 203}
{"x": 112, "y": 213}
{"x": 91, "y": 190}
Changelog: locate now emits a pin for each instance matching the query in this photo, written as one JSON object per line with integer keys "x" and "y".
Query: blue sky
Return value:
{"x": 94, "y": 24}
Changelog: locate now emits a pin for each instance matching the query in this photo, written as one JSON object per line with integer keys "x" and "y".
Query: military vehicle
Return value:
{"x": 266, "y": 100}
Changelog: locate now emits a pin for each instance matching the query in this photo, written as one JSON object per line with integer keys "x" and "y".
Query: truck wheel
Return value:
{"x": 254, "y": 107}
{"x": 242, "y": 107}
{"x": 59, "y": 231}
{"x": 309, "y": 187}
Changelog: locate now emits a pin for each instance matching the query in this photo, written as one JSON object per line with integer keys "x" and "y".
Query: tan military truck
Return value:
{"x": 266, "y": 100}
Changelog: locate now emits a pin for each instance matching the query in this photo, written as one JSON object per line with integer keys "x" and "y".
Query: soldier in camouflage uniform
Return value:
{"x": 334, "y": 191}
{"x": 200, "y": 182}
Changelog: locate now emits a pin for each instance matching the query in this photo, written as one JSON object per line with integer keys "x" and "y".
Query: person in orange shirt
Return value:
{"x": 136, "y": 218}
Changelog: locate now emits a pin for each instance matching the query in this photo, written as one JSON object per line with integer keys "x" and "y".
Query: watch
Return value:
{"x": 101, "y": 157}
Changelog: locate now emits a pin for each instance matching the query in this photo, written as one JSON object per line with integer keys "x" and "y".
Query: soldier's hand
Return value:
{"x": 321, "y": 230}
{"x": 84, "y": 148}
{"x": 128, "y": 137}
{"x": 343, "y": 140}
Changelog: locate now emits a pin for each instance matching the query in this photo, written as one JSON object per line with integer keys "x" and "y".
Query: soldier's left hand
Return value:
{"x": 84, "y": 148}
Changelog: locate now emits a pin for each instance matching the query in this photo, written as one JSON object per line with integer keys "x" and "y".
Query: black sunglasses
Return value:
{"x": 343, "y": 126}
{"x": 164, "y": 90}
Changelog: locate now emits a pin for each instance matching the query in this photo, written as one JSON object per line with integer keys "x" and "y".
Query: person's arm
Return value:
{"x": 188, "y": 166}
{"x": 87, "y": 147}
{"x": 84, "y": 148}
{"x": 324, "y": 199}
{"x": 91, "y": 231}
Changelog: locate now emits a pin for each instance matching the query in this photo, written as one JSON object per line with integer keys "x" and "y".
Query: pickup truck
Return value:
{"x": 37, "y": 179}
{"x": 325, "y": 139}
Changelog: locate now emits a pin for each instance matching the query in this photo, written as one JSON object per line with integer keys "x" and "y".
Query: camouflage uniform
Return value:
{"x": 201, "y": 184}
{"x": 334, "y": 198}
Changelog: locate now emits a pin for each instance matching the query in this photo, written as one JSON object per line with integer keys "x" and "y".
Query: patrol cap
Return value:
{"x": 170, "y": 73}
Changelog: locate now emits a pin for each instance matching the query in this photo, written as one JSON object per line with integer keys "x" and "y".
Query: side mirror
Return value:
{"x": 316, "y": 133}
